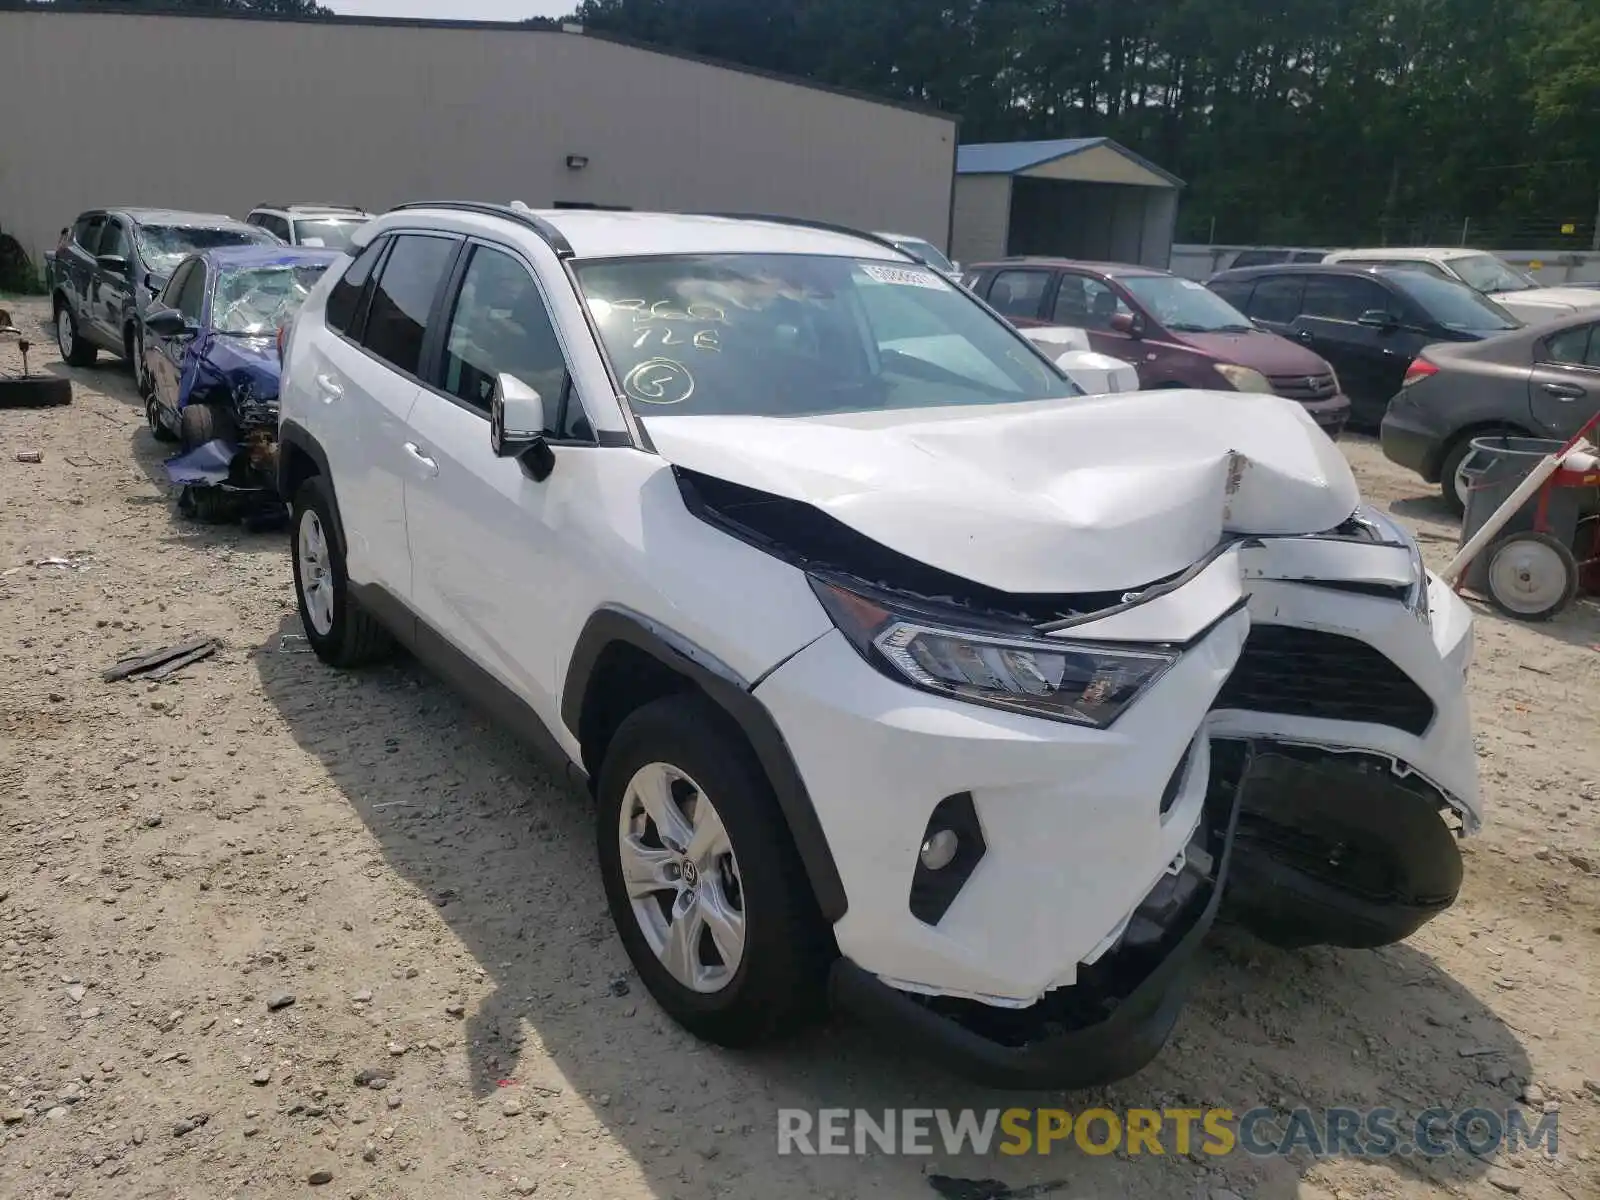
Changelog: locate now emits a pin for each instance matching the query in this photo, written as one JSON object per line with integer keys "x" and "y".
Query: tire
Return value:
{"x": 202, "y": 423}
{"x": 76, "y": 351}
{"x": 157, "y": 430}
{"x": 210, "y": 505}
{"x": 1531, "y": 576}
{"x": 341, "y": 634}
{"x": 777, "y": 986}
{"x": 133, "y": 338}
{"x": 34, "y": 391}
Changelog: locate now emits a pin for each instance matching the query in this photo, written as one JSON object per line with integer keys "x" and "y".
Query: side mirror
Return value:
{"x": 115, "y": 263}
{"x": 1128, "y": 323}
{"x": 168, "y": 322}
{"x": 1376, "y": 318}
{"x": 517, "y": 425}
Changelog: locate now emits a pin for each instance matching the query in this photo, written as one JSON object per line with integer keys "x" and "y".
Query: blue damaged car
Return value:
{"x": 211, "y": 358}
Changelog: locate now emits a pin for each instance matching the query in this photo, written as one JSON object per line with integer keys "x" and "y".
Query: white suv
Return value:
{"x": 898, "y": 669}
{"x": 322, "y": 226}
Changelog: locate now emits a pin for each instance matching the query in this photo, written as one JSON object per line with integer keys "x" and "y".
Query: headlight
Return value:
{"x": 1081, "y": 683}
{"x": 1384, "y": 528}
{"x": 1244, "y": 379}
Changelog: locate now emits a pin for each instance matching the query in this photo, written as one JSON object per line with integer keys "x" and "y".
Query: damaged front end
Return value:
{"x": 1273, "y": 721}
{"x": 230, "y": 462}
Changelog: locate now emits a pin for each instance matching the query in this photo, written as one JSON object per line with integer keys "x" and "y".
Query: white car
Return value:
{"x": 321, "y": 226}
{"x": 926, "y": 252}
{"x": 1517, "y": 292}
{"x": 900, "y": 672}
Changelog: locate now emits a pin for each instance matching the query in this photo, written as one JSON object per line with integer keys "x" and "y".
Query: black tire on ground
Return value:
{"x": 211, "y": 506}
{"x": 34, "y": 391}
{"x": 201, "y": 423}
{"x": 354, "y": 638}
{"x": 76, "y": 350}
{"x": 1560, "y": 584}
{"x": 779, "y": 985}
{"x": 157, "y": 430}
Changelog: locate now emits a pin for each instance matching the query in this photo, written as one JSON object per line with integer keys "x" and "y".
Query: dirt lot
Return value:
{"x": 178, "y": 857}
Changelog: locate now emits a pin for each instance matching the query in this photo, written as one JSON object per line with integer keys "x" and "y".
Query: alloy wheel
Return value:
{"x": 316, "y": 574}
{"x": 682, "y": 877}
{"x": 64, "y": 338}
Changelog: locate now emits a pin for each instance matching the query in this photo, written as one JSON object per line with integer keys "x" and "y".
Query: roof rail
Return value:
{"x": 552, "y": 236}
{"x": 311, "y": 204}
{"x": 824, "y": 226}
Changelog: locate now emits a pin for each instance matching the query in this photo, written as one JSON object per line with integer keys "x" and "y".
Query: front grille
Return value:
{"x": 1308, "y": 673}
{"x": 1304, "y": 387}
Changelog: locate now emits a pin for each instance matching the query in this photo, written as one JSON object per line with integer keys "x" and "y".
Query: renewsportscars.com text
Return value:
{"x": 1261, "y": 1132}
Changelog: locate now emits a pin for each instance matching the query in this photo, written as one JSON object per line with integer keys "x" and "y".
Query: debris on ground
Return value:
{"x": 158, "y": 664}
{"x": 30, "y": 456}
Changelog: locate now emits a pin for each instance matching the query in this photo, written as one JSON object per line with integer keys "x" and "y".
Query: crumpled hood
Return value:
{"x": 1047, "y": 497}
{"x": 243, "y": 359}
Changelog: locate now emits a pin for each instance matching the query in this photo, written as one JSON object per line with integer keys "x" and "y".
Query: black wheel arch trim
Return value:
{"x": 292, "y": 434}
{"x": 733, "y": 694}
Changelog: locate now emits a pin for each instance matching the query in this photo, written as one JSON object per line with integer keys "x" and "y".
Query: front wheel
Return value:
{"x": 704, "y": 886}
{"x": 76, "y": 351}
{"x": 152, "y": 417}
{"x": 340, "y": 631}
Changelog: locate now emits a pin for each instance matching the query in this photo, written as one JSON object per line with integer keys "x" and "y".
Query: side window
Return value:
{"x": 1276, "y": 298}
{"x": 253, "y": 219}
{"x": 278, "y": 226}
{"x": 1235, "y": 291}
{"x": 192, "y": 297}
{"x": 398, "y": 318}
{"x": 88, "y": 233}
{"x": 344, "y": 302}
{"x": 115, "y": 240}
{"x": 500, "y": 324}
{"x": 175, "y": 285}
{"x": 1342, "y": 297}
{"x": 1573, "y": 347}
{"x": 1086, "y": 303}
{"x": 1019, "y": 293}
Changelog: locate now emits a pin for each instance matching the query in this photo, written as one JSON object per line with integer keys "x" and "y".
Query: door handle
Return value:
{"x": 1565, "y": 391}
{"x": 426, "y": 463}
{"x": 1304, "y": 335}
{"x": 330, "y": 387}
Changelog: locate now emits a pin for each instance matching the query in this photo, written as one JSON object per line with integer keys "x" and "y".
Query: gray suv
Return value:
{"x": 109, "y": 265}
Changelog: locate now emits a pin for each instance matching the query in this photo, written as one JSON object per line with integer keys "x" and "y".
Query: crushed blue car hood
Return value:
{"x": 241, "y": 358}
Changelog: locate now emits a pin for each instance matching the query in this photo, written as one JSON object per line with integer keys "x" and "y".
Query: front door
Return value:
{"x": 112, "y": 294}
{"x": 167, "y": 358}
{"x": 488, "y": 562}
{"x": 1564, "y": 389}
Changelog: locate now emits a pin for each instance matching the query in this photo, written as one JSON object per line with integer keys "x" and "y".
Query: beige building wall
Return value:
{"x": 221, "y": 114}
{"x": 982, "y": 217}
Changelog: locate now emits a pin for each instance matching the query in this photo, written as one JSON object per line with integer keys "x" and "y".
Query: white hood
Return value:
{"x": 1054, "y": 496}
{"x": 1544, "y": 303}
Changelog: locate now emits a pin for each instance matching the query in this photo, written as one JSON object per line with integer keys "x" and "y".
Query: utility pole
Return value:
{"x": 1595, "y": 243}
{"x": 1466, "y": 223}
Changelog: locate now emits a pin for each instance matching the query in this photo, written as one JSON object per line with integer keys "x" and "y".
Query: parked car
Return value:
{"x": 1369, "y": 322}
{"x": 109, "y": 265}
{"x": 1263, "y": 256}
{"x": 927, "y": 252}
{"x": 1516, "y": 291}
{"x": 211, "y": 355}
{"x": 1542, "y": 381}
{"x": 886, "y": 666}
{"x": 1178, "y": 334}
{"x": 320, "y": 226}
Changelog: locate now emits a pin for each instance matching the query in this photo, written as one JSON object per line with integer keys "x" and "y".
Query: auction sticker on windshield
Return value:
{"x": 903, "y": 276}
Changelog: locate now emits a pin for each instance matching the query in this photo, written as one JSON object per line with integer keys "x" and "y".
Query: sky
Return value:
{"x": 454, "y": 10}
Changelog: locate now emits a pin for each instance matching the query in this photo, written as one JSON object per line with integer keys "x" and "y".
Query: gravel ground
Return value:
{"x": 228, "y": 897}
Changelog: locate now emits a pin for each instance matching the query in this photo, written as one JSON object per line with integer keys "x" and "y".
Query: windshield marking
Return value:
{"x": 659, "y": 381}
{"x": 903, "y": 276}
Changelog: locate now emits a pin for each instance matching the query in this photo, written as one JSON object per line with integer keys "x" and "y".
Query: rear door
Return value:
{"x": 1370, "y": 359}
{"x": 365, "y": 366}
{"x": 1564, "y": 389}
{"x": 1021, "y": 295}
{"x": 78, "y": 267}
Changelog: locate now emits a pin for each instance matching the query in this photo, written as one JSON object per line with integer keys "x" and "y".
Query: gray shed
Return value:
{"x": 1085, "y": 198}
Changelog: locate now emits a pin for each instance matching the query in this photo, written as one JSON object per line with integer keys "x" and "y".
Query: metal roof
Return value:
{"x": 1015, "y": 158}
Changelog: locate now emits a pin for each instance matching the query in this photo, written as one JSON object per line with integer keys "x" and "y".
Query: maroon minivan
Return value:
{"x": 1173, "y": 330}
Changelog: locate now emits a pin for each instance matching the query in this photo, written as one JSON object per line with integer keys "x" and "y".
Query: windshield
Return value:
{"x": 255, "y": 301}
{"x": 163, "y": 247}
{"x": 333, "y": 233}
{"x": 926, "y": 251}
{"x": 785, "y": 335}
{"x": 1452, "y": 305}
{"x": 1487, "y": 273}
{"x": 1185, "y": 306}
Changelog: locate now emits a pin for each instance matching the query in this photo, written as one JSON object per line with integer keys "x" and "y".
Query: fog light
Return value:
{"x": 940, "y": 849}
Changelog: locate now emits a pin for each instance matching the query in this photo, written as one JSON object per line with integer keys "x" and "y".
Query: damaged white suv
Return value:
{"x": 902, "y": 673}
